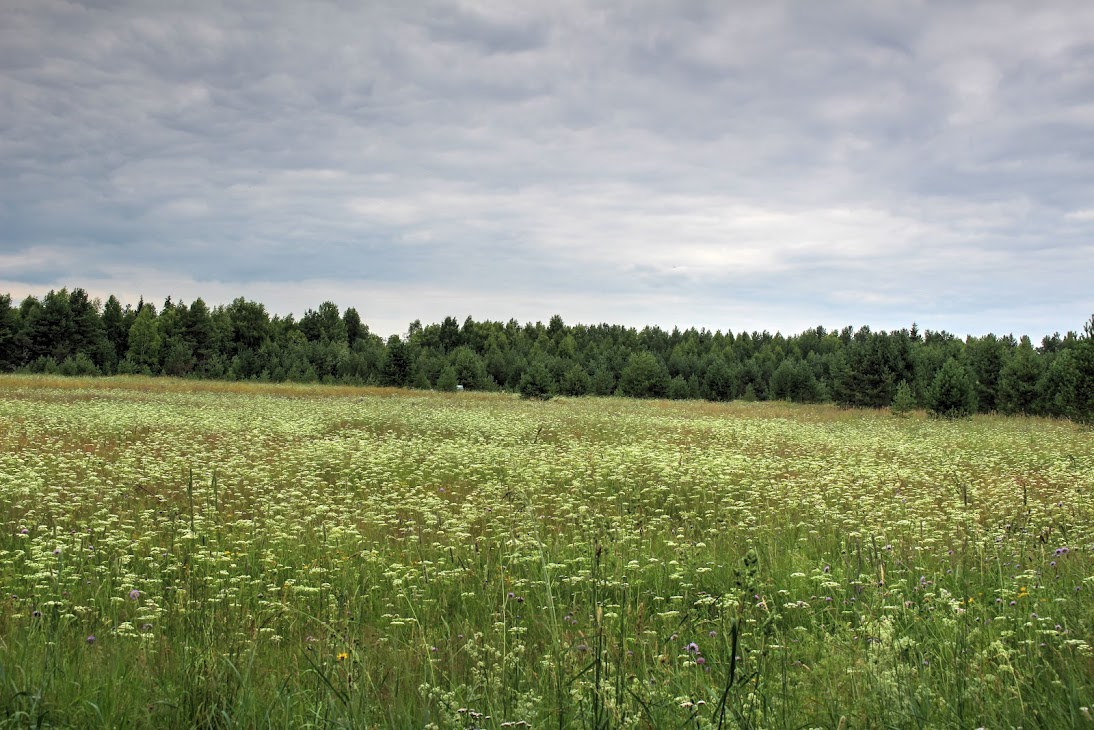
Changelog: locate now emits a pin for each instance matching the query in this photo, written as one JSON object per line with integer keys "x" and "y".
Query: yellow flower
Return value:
{"x": 343, "y": 656}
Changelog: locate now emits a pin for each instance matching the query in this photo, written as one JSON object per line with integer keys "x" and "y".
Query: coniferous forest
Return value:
{"x": 65, "y": 332}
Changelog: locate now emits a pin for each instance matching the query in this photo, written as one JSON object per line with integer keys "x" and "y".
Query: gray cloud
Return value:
{"x": 695, "y": 163}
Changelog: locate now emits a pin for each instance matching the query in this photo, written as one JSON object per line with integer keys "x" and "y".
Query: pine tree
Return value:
{"x": 575, "y": 381}
{"x": 952, "y": 394}
{"x": 644, "y": 377}
{"x": 145, "y": 342}
{"x": 1018, "y": 381}
{"x": 9, "y": 328}
{"x": 447, "y": 380}
{"x": 535, "y": 382}
{"x": 678, "y": 388}
{"x": 903, "y": 401}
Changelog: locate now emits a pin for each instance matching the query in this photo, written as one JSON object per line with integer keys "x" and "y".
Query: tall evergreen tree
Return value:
{"x": 145, "y": 342}
{"x": 1084, "y": 366}
{"x": 115, "y": 331}
{"x": 9, "y": 330}
{"x": 198, "y": 328}
{"x": 325, "y": 325}
{"x": 986, "y": 357}
{"x": 397, "y": 363}
{"x": 719, "y": 381}
{"x": 1018, "y": 380}
{"x": 354, "y": 329}
{"x": 1058, "y": 388}
{"x": 51, "y": 328}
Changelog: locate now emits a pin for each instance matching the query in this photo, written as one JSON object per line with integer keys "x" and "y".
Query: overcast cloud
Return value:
{"x": 727, "y": 165}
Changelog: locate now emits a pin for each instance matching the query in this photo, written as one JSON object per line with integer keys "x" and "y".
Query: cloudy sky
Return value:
{"x": 720, "y": 164}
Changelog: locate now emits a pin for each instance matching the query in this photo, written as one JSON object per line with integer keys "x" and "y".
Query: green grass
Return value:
{"x": 304, "y": 556}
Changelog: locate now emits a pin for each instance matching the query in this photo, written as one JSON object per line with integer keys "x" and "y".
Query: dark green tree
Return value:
{"x": 396, "y": 369}
{"x": 178, "y": 356}
{"x": 952, "y": 394}
{"x": 50, "y": 329}
{"x": 536, "y": 382}
{"x": 793, "y": 380}
{"x": 719, "y": 382}
{"x": 88, "y": 336}
{"x": 470, "y": 371}
{"x": 325, "y": 325}
{"x": 354, "y": 329}
{"x": 199, "y": 334}
{"x": 447, "y": 380}
{"x": 1084, "y": 365}
{"x": 116, "y": 331}
{"x": 574, "y": 382}
{"x": 9, "y": 330}
{"x": 249, "y": 327}
{"x": 678, "y": 388}
{"x": 1057, "y": 390}
{"x": 903, "y": 401}
{"x": 645, "y": 376}
{"x": 144, "y": 342}
{"x": 602, "y": 382}
{"x": 986, "y": 357}
{"x": 1018, "y": 381}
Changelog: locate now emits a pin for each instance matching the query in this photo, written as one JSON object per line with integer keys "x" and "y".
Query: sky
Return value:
{"x": 728, "y": 165}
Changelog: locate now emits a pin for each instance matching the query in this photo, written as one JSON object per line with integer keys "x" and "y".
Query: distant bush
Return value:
{"x": 79, "y": 365}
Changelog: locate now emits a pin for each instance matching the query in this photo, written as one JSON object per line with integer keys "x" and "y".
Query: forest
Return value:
{"x": 66, "y": 332}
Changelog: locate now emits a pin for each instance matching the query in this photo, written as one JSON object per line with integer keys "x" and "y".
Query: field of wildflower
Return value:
{"x": 181, "y": 554}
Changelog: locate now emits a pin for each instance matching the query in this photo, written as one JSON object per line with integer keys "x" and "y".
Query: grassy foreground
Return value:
{"x": 178, "y": 554}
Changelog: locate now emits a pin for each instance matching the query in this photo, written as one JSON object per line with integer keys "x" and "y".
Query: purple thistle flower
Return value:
{"x": 692, "y": 647}
{"x": 91, "y": 639}
{"x": 134, "y": 594}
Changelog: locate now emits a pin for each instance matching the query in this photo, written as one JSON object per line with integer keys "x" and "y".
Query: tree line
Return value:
{"x": 66, "y": 332}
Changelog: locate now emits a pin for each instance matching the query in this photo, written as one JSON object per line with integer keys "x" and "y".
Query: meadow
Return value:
{"x": 185, "y": 554}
